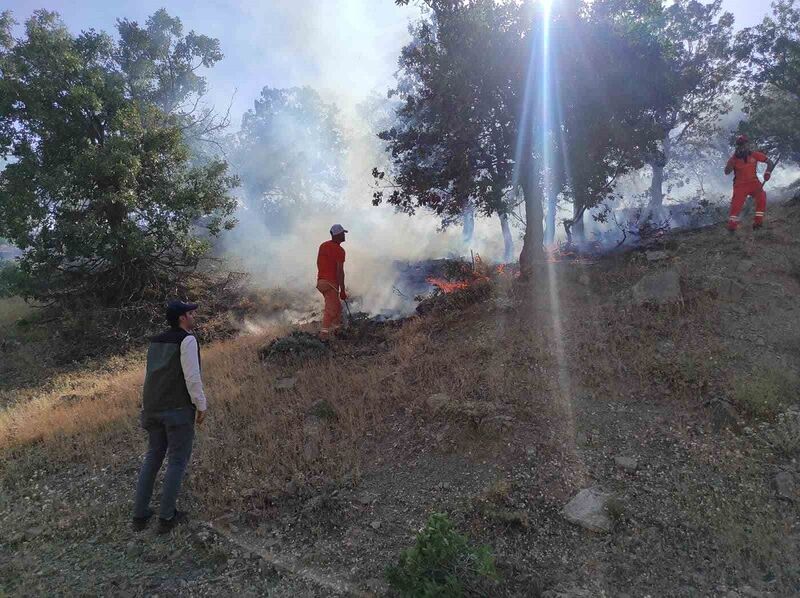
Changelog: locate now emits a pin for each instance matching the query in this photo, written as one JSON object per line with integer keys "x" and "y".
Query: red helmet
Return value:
{"x": 742, "y": 139}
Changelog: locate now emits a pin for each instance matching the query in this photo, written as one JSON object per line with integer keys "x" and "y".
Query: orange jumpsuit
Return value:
{"x": 330, "y": 255}
{"x": 746, "y": 184}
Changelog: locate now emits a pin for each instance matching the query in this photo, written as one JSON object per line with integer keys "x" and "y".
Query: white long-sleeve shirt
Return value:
{"x": 190, "y": 362}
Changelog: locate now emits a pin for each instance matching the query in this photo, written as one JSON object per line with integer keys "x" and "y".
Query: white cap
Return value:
{"x": 338, "y": 229}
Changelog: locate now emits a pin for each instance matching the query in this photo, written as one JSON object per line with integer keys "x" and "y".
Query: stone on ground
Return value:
{"x": 785, "y": 485}
{"x": 724, "y": 416}
{"x": 437, "y": 401}
{"x": 656, "y": 256}
{"x": 658, "y": 288}
{"x": 285, "y": 383}
{"x": 627, "y": 463}
{"x": 588, "y": 509}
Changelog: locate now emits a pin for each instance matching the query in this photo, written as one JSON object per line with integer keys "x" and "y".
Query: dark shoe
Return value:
{"x": 757, "y": 225}
{"x": 139, "y": 523}
{"x": 165, "y": 525}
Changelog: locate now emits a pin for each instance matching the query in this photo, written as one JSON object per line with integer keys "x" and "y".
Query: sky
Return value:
{"x": 341, "y": 47}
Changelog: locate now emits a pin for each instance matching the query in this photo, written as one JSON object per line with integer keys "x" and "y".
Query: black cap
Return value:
{"x": 175, "y": 309}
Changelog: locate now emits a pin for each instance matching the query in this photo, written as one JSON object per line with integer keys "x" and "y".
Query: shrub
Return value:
{"x": 442, "y": 563}
{"x": 762, "y": 394}
{"x": 11, "y": 279}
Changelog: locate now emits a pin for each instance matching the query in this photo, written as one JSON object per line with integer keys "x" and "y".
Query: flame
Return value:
{"x": 564, "y": 252}
{"x": 448, "y": 286}
{"x": 479, "y": 272}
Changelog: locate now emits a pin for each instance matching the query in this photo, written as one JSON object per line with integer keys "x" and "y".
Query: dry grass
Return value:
{"x": 11, "y": 310}
{"x": 672, "y": 352}
{"x": 256, "y": 436}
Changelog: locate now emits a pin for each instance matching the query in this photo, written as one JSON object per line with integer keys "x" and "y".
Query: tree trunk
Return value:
{"x": 508, "y": 240}
{"x": 550, "y": 230}
{"x": 469, "y": 224}
{"x": 578, "y": 231}
{"x": 657, "y": 184}
{"x": 532, "y": 244}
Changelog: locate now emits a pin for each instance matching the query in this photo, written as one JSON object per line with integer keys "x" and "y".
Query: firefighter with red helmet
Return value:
{"x": 744, "y": 164}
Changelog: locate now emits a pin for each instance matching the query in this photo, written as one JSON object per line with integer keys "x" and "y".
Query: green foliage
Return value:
{"x": 763, "y": 393}
{"x": 695, "y": 39}
{"x": 12, "y": 280}
{"x": 442, "y": 563}
{"x": 100, "y": 194}
{"x": 474, "y": 126}
{"x": 455, "y": 129}
{"x": 769, "y": 55}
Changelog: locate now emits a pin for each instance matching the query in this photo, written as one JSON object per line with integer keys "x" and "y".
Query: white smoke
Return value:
{"x": 351, "y": 48}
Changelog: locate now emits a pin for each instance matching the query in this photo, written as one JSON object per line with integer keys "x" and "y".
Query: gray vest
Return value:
{"x": 164, "y": 384}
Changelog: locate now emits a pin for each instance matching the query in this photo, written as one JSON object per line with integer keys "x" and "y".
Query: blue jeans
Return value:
{"x": 172, "y": 432}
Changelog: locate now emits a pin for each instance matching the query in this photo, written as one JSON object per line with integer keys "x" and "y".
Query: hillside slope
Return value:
{"x": 678, "y": 395}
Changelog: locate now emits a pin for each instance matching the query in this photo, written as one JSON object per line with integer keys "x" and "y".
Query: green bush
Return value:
{"x": 443, "y": 564}
{"x": 763, "y": 394}
{"x": 11, "y": 279}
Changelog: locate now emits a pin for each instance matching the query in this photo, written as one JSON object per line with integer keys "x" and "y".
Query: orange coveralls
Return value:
{"x": 745, "y": 184}
{"x": 330, "y": 255}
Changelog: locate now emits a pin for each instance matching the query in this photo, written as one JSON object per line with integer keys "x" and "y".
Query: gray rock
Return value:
{"x": 291, "y": 488}
{"x": 656, "y": 256}
{"x": 666, "y": 347}
{"x": 588, "y": 509}
{"x": 285, "y": 383}
{"x": 437, "y": 401}
{"x": 375, "y": 525}
{"x": 499, "y": 423}
{"x": 785, "y": 485}
{"x": 744, "y": 266}
{"x": 312, "y": 432}
{"x": 727, "y": 288}
{"x": 724, "y": 416}
{"x": 658, "y": 288}
{"x": 366, "y": 498}
{"x": 627, "y": 463}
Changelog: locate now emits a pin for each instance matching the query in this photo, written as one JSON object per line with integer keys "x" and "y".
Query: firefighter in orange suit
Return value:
{"x": 744, "y": 164}
{"x": 330, "y": 280}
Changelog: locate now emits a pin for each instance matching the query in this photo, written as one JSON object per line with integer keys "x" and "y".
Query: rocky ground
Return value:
{"x": 658, "y": 387}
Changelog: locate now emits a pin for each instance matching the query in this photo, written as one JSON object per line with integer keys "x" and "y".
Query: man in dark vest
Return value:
{"x": 172, "y": 400}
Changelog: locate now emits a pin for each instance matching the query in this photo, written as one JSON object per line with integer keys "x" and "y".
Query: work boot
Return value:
{"x": 139, "y": 523}
{"x": 165, "y": 526}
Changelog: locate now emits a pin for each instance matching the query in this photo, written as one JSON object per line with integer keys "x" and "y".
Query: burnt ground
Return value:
{"x": 701, "y": 392}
